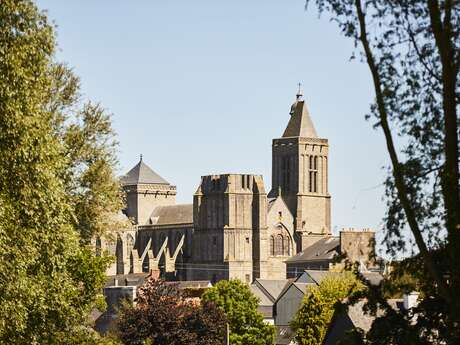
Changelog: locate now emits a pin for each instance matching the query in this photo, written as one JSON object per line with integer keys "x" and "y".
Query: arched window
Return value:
{"x": 98, "y": 246}
{"x": 287, "y": 246}
{"x": 286, "y": 173}
{"x": 162, "y": 238}
{"x": 178, "y": 238}
{"x": 112, "y": 246}
{"x": 279, "y": 245}
{"x": 129, "y": 244}
{"x": 272, "y": 245}
{"x": 119, "y": 255}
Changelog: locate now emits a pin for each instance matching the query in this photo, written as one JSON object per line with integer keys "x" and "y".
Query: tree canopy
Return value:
{"x": 56, "y": 187}
{"x": 247, "y": 326}
{"x": 412, "y": 49}
{"x": 312, "y": 319}
{"x": 164, "y": 316}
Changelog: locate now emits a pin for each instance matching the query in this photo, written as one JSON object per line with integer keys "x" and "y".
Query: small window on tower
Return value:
{"x": 280, "y": 215}
{"x": 248, "y": 278}
{"x": 214, "y": 240}
{"x": 247, "y": 239}
{"x": 313, "y": 174}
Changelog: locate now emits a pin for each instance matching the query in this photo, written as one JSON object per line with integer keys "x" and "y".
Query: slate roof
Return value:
{"x": 172, "y": 214}
{"x": 300, "y": 123}
{"x": 324, "y": 249}
{"x": 142, "y": 174}
{"x": 272, "y": 287}
{"x": 302, "y": 287}
{"x": 264, "y": 300}
{"x": 315, "y": 276}
{"x": 271, "y": 202}
{"x": 131, "y": 279}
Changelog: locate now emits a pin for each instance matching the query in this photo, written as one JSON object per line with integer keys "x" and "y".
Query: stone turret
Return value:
{"x": 145, "y": 190}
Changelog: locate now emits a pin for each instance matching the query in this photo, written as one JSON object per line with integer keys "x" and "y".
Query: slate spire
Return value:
{"x": 300, "y": 123}
{"x": 142, "y": 174}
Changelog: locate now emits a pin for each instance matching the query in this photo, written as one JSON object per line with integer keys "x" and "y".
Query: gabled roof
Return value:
{"x": 172, "y": 214}
{"x": 257, "y": 291}
{"x": 315, "y": 276}
{"x": 142, "y": 174}
{"x": 300, "y": 123}
{"x": 271, "y": 287}
{"x": 324, "y": 249}
{"x": 300, "y": 286}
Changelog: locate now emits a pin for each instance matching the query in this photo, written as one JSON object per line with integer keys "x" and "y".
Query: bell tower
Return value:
{"x": 300, "y": 175}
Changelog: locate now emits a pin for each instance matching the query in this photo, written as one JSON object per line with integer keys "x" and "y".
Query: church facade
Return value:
{"x": 236, "y": 227}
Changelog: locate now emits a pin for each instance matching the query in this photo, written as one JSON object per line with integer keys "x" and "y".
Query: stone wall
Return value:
{"x": 358, "y": 245}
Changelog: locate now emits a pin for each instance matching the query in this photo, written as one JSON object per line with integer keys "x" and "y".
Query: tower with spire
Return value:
{"x": 300, "y": 175}
{"x": 145, "y": 190}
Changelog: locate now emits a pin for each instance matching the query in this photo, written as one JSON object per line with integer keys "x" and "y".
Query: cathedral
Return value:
{"x": 236, "y": 227}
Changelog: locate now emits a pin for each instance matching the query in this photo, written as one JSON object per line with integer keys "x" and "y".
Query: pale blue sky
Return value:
{"x": 202, "y": 87}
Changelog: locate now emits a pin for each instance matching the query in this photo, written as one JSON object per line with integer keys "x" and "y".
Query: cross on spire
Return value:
{"x": 141, "y": 157}
{"x": 299, "y": 92}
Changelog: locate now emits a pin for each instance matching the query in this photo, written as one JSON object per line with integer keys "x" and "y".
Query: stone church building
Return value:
{"x": 236, "y": 227}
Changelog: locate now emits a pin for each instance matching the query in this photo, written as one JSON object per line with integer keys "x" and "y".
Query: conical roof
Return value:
{"x": 142, "y": 174}
{"x": 300, "y": 123}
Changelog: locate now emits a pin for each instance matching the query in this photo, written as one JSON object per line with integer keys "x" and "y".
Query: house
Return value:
{"x": 354, "y": 317}
{"x": 289, "y": 302}
{"x": 357, "y": 245}
{"x": 268, "y": 291}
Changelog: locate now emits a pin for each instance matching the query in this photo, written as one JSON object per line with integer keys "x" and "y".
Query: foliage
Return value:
{"x": 412, "y": 48}
{"x": 163, "y": 315}
{"x": 315, "y": 314}
{"x": 56, "y": 184}
{"x": 240, "y": 306}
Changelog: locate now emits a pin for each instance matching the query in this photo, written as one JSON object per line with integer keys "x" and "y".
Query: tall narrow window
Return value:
{"x": 272, "y": 245}
{"x": 287, "y": 246}
{"x": 129, "y": 244}
{"x": 279, "y": 245}
{"x": 98, "y": 246}
{"x": 286, "y": 173}
{"x": 313, "y": 174}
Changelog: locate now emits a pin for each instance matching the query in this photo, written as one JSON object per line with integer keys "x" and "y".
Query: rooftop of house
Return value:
{"x": 271, "y": 288}
{"x": 324, "y": 249}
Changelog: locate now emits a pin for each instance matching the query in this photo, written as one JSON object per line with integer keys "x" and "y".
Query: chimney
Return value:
{"x": 410, "y": 300}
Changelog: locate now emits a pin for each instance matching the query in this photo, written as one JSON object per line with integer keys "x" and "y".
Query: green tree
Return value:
{"x": 164, "y": 316}
{"x": 412, "y": 49}
{"x": 312, "y": 319}
{"x": 240, "y": 306}
{"x": 54, "y": 190}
